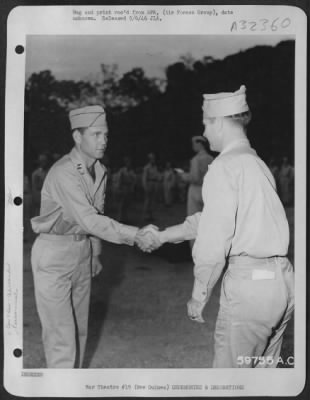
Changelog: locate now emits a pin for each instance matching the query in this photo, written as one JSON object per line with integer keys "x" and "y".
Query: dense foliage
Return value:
{"x": 152, "y": 115}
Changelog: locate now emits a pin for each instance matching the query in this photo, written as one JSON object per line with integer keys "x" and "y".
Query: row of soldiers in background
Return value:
{"x": 153, "y": 184}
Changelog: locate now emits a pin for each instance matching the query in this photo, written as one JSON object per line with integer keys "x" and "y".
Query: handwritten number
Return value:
{"x": 253, "y": 25}
{"x": 264, "y": 22}
{"x": 273, "y": 25}
{"x": 243, "y": 24}
{"x": 285, "y": 23}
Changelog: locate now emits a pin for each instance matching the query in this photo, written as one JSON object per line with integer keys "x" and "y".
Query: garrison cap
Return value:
{"x": 86, "y": 117}
{"x": 225, "y": 104}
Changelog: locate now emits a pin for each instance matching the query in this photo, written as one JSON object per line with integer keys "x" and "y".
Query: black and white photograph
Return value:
{"x": 163, "y": 190}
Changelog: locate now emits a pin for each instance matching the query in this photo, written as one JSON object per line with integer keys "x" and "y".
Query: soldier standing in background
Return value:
{"x": 159, "y": 198}
{"x": 198, "y": 168}
{"x": 126, "y": 187}
{"x": 150, "y": 180}
{"x": 169, "y": 183}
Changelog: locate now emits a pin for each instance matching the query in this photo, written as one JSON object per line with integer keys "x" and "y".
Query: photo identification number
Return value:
{"x": 261, "y": 25}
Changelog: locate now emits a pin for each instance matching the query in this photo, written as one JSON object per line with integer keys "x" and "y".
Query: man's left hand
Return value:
{"x": 96, "y": 266}
{"x": 194, "y": 310}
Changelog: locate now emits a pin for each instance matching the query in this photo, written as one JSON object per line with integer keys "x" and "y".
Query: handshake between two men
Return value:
{"x": 148, "y": 238}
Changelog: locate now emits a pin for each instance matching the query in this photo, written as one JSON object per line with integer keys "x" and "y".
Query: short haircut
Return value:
{"x": 242, "y": 119}
{"x": 81, "y": 130}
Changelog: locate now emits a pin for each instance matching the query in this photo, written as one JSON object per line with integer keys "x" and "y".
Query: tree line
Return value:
{"x": 152, "y": 115}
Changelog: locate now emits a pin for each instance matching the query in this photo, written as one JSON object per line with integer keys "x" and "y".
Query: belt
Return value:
{"x": 70, "y": 238}
{"x": 248, "y": 260}
{"x": 247, "y": 267}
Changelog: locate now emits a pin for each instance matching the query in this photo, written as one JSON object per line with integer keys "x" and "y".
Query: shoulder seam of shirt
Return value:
{"x": 65, "y": 166}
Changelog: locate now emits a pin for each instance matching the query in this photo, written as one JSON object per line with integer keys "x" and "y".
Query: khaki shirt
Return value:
{"x": 72, "y": 203}
{"x": 242, "y": 215}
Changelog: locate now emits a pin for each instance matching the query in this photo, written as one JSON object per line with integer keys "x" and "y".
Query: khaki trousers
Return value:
{"x": 256, "y": 303}
{"x": 62, "y": 279}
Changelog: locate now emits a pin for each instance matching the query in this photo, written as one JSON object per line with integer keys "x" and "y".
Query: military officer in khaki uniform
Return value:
{"x": 198, "y": 168}
{"x": 244, "y": 224}
{"x": 70, "y": 226}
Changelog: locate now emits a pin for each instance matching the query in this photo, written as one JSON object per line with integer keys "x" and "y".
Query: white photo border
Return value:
{"x": 52, "y": 20}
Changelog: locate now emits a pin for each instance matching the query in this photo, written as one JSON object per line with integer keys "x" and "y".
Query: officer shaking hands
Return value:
{"x": 243, "y": 224}
{"x": 71, "y": 225}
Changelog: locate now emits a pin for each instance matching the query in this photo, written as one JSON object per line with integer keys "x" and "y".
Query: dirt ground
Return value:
{"x": 138, "y": 307}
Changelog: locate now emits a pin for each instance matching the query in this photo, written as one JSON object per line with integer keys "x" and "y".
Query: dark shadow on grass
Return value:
{"x": 174, "y": 253}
